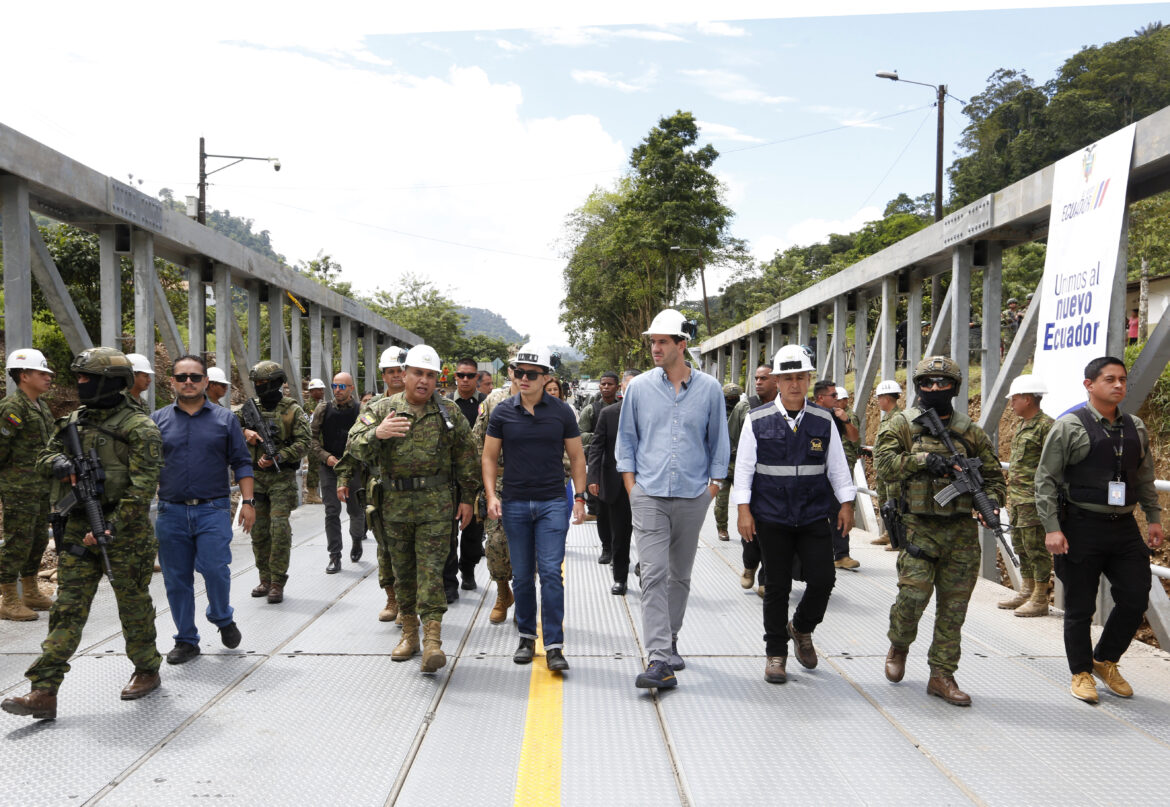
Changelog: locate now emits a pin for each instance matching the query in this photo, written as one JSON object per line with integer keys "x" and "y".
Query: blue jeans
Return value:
{"x": 536, "y": 533}
{"x": 196, "y": 538}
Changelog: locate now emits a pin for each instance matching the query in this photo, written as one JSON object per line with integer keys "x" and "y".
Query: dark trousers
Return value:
{"x": 840, "y": 542}
{"x": 466, "y": 551}
{"x": 353, "y": 506}
{"x": 779, "y": 544}
{"x": 752, "y": 559}
{"x": 1095, "y": 547}
{"x": 621, "y": 527}
{"x": 604, "y": 528}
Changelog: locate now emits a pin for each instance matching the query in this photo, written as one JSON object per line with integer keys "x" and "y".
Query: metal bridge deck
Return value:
{"x": 310, "y": 709}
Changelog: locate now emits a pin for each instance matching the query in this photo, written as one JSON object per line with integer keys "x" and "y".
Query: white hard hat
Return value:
{"x": 791, "y": 359}
{"x": 316, "y": 383}
{"x": 423, "y": 357}
{"x": 216, "y": 376}
{"x": 889, "y": 387}
{"x": 671, "y": 323}
{"x": 141, "y": 363}
{"x": 842, "y": 394}
{"x": 392, "y": 356}
{"x": 1027, "y": 384}
{"x": 532, "y": 353}
{"x": 27, "y": 359}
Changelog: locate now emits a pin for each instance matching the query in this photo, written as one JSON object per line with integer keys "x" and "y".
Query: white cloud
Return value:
{"x": 598, "y": 78}
{"x": 720, "y": 131}
{"x": 720, "y": 29}
{"x": 811, "y": 231}
{"x": 730, "y": 86}
{"x": 511, "y": 47}
{"x": 571, "y": 36}
{"x": 851, "y": 116}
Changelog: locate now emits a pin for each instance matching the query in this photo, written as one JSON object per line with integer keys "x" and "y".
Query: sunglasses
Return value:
{"x": 183, "y": 378}
{"x": 340, "y": 386}
{"x": 466, "y": 375}
{"x": 531, "y": 375}
{"x": 935, "y": 382}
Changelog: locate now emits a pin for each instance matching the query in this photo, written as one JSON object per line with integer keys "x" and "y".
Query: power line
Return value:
{"x": 824, "y": 131}
{"x": 896, "y": 159}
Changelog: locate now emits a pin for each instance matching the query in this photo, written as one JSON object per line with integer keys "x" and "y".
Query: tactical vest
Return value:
{"x": 112, "y": 440}
{"x": 921, "y": 488}
{"x": 1088, "y": 480}
{"x": 335, "y": 426}
{"x": 791, "y": 484}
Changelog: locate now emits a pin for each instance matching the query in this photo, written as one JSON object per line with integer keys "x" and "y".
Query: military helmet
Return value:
{"x": 105, "y": 362}
{"x": 938, "y": 365}
{"x": 1013, "y": 300}
{"x": 732, "y": 391}
{"x": 267, "y": 371}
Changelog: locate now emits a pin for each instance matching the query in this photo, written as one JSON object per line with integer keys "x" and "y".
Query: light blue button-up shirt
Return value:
{"x": 674, "y": 444}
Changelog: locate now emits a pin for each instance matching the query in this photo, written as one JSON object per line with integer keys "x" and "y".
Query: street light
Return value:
{"x": 201, "y": 211}
{"x": 703, "y": 280}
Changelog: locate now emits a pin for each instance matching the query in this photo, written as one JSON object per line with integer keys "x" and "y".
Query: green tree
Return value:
{"x": 419, "y": 306}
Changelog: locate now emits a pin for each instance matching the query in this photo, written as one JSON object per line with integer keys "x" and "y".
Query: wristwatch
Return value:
{"x": 579, "y": 497}
{"x": 252, "y": 502}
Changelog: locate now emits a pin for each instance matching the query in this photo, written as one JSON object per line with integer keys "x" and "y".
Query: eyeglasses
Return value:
{"x": 466, "y": 375}
{"x": 531, "y": 375}
{"x": 183, "y": 378}
{"x": 935, "y": 382}
{"x": 341, "y": 386}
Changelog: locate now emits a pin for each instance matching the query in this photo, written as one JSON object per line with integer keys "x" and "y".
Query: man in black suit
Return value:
{"x": 604, "y": 482}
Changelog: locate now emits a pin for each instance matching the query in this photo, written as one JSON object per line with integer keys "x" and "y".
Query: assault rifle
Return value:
{"x": 87, "y": 491}
{"x": 255, "y": 421}
{"x": 965, "y": 471}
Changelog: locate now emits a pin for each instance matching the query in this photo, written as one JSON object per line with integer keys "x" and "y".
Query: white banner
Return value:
{"x": 1084, "y": 232}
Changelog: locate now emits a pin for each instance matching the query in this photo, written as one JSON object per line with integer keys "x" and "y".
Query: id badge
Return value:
{"x": 1117, "y": 494}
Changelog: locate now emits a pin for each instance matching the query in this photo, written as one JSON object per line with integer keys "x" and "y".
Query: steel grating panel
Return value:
{"x": 828, "y": 746}
{"x": 596, "y": 622}
{"x": 99, "y": 734}
{"x": 1024, "y": 739}
{"x": 613, "y": 748}
{"x": 12, "y": 667}
{"x": 293, "y": 732}
{"x": 584, "y": 535}
{"x": 472, "y": 746}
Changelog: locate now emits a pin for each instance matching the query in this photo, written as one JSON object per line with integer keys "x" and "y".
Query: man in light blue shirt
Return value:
{"x": 672, "y": 452}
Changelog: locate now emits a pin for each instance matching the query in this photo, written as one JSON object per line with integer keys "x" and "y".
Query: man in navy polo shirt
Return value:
{"x": 194, "y": 527}
{"x": 534, "y": 430}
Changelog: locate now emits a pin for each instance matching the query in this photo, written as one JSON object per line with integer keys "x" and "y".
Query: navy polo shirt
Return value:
{"x": 534, "y": 445}
{"x": 197, "y": 451}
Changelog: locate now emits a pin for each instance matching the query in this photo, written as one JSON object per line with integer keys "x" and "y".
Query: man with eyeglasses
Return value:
{"x": 941, "y": 551}
{"x": 467, "y": 548}
{"x": 330, "y": 427}
{"x": 194, "y": 526}
{"x": 316, "y": 390}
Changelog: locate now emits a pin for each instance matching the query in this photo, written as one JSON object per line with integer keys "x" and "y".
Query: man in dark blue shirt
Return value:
{"x": 194, "y": 527}
{"x": 535, "y": 430}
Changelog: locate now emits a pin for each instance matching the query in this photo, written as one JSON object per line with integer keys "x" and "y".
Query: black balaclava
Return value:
{"x": 100, "y": 392}
{"x": 269, "y": 394}
{"x": 940, "y": 400}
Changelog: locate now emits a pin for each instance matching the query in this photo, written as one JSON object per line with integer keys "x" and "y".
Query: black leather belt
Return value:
{"x": 193, "y": 502}
{"x": 417, "y": 482}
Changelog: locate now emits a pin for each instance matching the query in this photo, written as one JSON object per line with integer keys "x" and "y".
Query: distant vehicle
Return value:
{"x": 586, "y": 392}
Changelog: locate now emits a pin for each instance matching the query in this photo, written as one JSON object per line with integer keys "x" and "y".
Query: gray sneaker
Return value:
{"x": 675, "y": 661}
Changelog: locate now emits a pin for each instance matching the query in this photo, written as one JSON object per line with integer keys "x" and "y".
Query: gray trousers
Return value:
{"x": 666, "y": 532}
{"x": 357, "y": 513}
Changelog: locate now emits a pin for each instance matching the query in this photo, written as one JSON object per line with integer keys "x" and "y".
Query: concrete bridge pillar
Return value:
{"x": 17, "y": 266}
{"x": 110, "y": 280}
{"x": 142, "y": 245}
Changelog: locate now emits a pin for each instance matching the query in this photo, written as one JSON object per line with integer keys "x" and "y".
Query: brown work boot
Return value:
{"x": 774, "y": 671}
{"x": 1018, "y": 598}
{"x": 31, "y": 593}
{"x": 40, "y": 704}
{"x": 896, "y": 663}
{"x": 846, "y": 563}
{"x": 760, "y": 591}
{"x": 1037, "y": 604}
{"x": 1107, "y": 671}
{"x": 806, "y": 654}
{"x": 1083, "y": 687}
{"x": 433, "y": 657}
{"x": 390, "y": 612}
{"x": 504, "y": 600}
{"x": 944, "y": 686}
{"x": 408, "y": 645}
{"x": 275, "y": 592}
{"x": 884, "y": 540}
{"x": 312, "y": 496}
{"x": 141, "y": 683}
{"x": 722, "y": 533}
{"x": 748, "y": 578}
{"x": 11, "y": 606}
{"x": 262, "y": 589}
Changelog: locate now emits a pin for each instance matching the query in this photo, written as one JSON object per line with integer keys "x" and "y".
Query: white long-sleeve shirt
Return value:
{"x": 838, "y": 471}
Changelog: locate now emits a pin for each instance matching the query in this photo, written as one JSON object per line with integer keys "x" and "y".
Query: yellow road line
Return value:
{"x": 538, "y": 778}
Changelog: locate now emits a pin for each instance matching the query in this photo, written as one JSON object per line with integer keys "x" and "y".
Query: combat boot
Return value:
{"x": 312, "y": 496}
{"x": 390, "y": 612}
{"x": 504, "y": 600}
{"x": 262, "y": 589}
{"x": 40, "y": 704}
{"x": 896, "y": 663}
{"x": 33, "y": 598}
{"x": 944, "y": 686}
{"x": 433, "y": 657}
{"x": 1027, "y": 586}
{"x": 883, "y": 540}
{"x": 1037, "y": 604}
{"x": 11, "y": 606}
{"x": 275, "y": 593}
{"x": 408, "y": 645}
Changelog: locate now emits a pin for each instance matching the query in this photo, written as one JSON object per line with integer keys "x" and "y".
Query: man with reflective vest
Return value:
{"x": 791, "y": 479}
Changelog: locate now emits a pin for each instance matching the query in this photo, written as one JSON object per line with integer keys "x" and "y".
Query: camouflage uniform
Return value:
{"x": 373, "y": 494}
{"x": 25, "y": 426}
{"x": 1027, "y": 532}
{"x": 735, "y": 421}
{"x": 312, "y": 471}
{"x": 885, "y": 490}
{"x": 418, "y": 522}
{"x": 130, "y": 448}
{"x": 852, "y": 447}
{"x": 499, "y": 563}
{"x": 948, "y": 533}
{"x": 276, "y": 491}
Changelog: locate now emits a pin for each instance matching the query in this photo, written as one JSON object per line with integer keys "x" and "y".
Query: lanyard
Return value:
{"x": 793, "y": 422}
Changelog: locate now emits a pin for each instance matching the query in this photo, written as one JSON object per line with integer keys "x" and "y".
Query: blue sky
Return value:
{"x": 456, "y": 154}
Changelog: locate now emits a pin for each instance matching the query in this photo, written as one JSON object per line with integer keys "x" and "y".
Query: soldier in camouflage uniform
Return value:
{"x": 276, "y": 490}
{"x": 825, "y": 395}
{"x": 887, "y": 394}
{"x": 129, "y": 446}
{"x": 499, "y": 562}
{"x": 312, "y": 471}
{"x": 941, "y": 551}
{"x": 25, "y": 423}
{"x": 422, "y": 453}
{"x": 1027, "y": 531}
{"x": 736, "y": 414}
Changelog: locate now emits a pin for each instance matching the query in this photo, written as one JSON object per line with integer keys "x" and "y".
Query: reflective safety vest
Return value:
{"x": 791, "y": 483}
